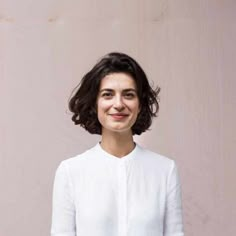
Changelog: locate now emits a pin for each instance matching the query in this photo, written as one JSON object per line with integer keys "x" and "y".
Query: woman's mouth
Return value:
{"x": 119, "y": 116}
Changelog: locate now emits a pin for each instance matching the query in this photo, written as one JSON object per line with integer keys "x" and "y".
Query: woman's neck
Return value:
{"x": 117, "y": 144}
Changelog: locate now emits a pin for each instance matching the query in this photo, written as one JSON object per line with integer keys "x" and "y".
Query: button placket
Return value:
{"x": 122, "y": 205}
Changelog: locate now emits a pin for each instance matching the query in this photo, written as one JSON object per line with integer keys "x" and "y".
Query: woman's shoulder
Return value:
{"x": 83, "y": 157}
{"x": 154, "y": 159}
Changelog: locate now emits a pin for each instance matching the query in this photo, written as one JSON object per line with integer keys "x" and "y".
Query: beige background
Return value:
{"x": 185, "y": 46}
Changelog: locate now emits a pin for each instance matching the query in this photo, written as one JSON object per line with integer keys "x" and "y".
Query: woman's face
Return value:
{"x": 117, "y": 103}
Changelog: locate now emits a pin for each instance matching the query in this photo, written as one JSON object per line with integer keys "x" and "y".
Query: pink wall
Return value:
{"x": 185, "y": 46}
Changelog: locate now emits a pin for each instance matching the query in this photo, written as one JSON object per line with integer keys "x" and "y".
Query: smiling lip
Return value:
{"x": 119, "y": 116}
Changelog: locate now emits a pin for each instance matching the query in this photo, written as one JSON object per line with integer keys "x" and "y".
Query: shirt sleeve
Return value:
{"x": 63, "y": 209}
{"x": 173, "y": 223}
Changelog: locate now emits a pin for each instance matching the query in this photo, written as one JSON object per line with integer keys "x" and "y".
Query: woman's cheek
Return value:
{"x": 105, "y": 104}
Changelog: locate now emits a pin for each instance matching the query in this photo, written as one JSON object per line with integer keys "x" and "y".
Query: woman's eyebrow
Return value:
{"x": 106, "y": 89}
{"x": 130, "y": 90}
{"x": 124, "y": 90}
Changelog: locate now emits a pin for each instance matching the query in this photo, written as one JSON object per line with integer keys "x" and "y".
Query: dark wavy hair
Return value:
{"x": 83, "y": 100}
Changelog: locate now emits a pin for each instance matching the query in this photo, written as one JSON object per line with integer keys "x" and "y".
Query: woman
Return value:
{"x": 116, "y": 188}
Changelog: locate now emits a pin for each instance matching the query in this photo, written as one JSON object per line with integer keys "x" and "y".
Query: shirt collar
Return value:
{"x": 130, "y": 156}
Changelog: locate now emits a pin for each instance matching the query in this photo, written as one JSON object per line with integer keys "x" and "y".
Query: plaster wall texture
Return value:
{"x": 187, "y": 47}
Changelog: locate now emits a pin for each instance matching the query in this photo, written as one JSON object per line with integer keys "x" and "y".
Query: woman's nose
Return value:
{"x": 118, "y": 103}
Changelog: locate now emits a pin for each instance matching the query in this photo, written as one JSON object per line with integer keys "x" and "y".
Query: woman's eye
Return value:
{"x": 106, "y": 95}
{"x": 129, "y": 95}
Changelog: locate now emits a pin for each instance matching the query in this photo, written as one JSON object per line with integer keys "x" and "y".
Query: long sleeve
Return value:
{"x": 63, "y": 210}
{"x": 173, "y": 216}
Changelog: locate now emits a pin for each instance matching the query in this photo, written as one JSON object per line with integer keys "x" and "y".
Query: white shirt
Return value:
{"x": 98, "y": 194}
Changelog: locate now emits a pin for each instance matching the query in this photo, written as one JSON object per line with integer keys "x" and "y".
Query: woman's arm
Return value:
{"x": 63, "y": 209}
{"x": 173, "y": 225}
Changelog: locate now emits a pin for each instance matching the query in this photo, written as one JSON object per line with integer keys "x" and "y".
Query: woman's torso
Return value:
{"x": 119, "y": 196}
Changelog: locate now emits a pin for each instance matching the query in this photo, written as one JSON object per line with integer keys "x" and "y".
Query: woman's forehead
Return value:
{"x": 118, "y": 80}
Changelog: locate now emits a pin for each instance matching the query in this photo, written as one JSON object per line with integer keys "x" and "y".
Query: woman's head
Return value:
{"x": 83, "y": 103}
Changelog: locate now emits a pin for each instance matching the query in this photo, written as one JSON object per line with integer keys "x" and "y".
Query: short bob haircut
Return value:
{"x": 83, "y": 102}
